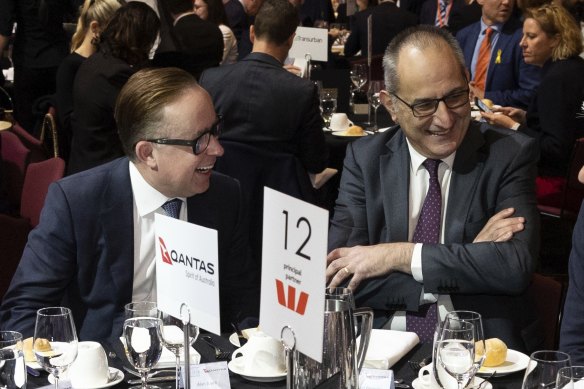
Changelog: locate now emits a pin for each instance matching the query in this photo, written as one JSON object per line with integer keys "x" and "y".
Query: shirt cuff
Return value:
{"x": 516, "y": 126}
{"x": 416, "y": 266}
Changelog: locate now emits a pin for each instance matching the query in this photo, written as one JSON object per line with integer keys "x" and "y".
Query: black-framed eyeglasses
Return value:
{"x": 199, "y": 144}
{"x": 429, "y": 106}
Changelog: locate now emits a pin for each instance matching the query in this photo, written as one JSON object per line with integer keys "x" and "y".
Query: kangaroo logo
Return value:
{"x": 164, "y": 252}
{"x": 299, "y": 308}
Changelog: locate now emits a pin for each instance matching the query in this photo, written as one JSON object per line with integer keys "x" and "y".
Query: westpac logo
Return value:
{"x": 164, "y": 252}
{"x": 291, "y": 304}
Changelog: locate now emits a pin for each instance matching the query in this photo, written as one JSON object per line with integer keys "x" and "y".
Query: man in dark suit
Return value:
{"x": 251, "y": 8}
{"x": 388, "y": 21}
{"x": 509, "y": 80}
{"x": 430, "y": 15}
{"x": 482, "y": 257}
{"x": 94, "y": 247}
{"x": 264, "y": 104}
{"x": 571, "y": 336}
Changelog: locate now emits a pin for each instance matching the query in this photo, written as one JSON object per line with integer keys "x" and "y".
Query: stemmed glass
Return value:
{"x": 12, "y": 368}
{"x": 375, "y": 87}
{"x": 173, "y": 338}
{"x": 456, "y": 351}
{"x": 543, "y": 367}
{"x": 328, "y": 103}
{"x": 55, "y": 340}
{"x": 570, "y": 377}
{"x": 143, "y": 344}
{"x": 358, "y": 75}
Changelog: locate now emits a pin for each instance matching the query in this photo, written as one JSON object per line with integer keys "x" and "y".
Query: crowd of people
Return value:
{"x": 437, "y": 213}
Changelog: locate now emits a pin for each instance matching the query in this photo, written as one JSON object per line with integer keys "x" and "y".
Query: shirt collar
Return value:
{"x": 496, "y": 27}
{"x": 147, "y": 198}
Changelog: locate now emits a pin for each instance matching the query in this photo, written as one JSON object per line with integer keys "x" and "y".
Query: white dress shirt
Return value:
{"x": 147, "y": 202}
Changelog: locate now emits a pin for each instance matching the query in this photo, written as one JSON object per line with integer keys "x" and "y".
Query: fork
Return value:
{"x": 220, "y": 354}
{"x": 417, "y": 365}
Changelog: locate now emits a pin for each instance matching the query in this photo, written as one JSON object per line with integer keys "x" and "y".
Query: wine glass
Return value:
{"x": 543, "y": 367}
{"x": 479, "y": 336}
{"x": 173, "y": 338}
{"x": 358, "y": 75}
{"x": 328, "y": 103}
{"x": 143, "y": 344}
{"x": 375, "y": 87}
{"x": 570, "y": 377}
{"x": 55, "y": 340}
{"x": 456, "y": 351}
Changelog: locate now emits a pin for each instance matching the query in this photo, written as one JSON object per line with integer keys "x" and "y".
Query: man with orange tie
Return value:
{"x": 494, "y": 58}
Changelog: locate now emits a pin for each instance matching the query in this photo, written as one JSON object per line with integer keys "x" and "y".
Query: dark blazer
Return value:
{"x": 571, "y": 337}
{"x": 262, "y": 103}
{"x": 236, "y": 17}
{"x": 510, "y": 81}
{"x": 493, "y": 169}
{"x": 83, "y": 251}
{"x": 388, "y": 21}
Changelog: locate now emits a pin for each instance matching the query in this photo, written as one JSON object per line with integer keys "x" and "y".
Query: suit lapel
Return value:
{"x": 394, "y": 174}
{"x": 468, "y": 166}
{"x": 118, "y": 227}
{"x": 502, "y": 47}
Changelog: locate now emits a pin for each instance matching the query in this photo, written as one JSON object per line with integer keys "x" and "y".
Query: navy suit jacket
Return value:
{"x": 493, "y": 170}
{"x": 510, "y": 81}
{"x": 82, "y": 252}
{"x": 571, "y": 335}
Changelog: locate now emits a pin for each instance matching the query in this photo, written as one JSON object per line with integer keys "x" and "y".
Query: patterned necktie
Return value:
{"x": 427, "y": 230}
{"x": 172, "y": 207}
{"x": 480, "y": 76}
{"x": 442, "y": 19}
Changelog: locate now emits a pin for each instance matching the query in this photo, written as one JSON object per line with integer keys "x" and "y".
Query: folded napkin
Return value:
{"x": 167, "y": 359}
{"x": 386, "y": 347}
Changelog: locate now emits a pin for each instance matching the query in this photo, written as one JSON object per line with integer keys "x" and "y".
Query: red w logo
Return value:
{"x": 164, "y": 252}
{"x": 302, "y": 300}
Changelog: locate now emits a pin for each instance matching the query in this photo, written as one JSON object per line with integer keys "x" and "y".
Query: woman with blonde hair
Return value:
{"x": 553, "y": 41}
{"x": 94, "y": 16}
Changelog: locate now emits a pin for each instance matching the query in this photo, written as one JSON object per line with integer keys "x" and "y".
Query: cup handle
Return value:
{"x": 366, "y": 315}
{"x": 351, "y": 123}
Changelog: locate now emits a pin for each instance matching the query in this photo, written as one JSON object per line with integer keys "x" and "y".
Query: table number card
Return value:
{"x": 187, "y": 271}
{"x": 293, "y": 270}
{"x": 312, "y": 41}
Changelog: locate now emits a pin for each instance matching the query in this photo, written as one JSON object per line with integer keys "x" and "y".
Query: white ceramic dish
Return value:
{"x": 235, "y": 368}
{"x": 344, "y": 134}
{"x": 115, "y": 377}
{"x": 515, "y": 361}
{"x": 478, "y": 380}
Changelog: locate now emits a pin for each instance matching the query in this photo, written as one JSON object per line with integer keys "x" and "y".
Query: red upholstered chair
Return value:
{"x": 36, "y": 184}
{"x": 15, "y": 158}
{"x": 548, "y": 297}
{"x": 36, "y": 147}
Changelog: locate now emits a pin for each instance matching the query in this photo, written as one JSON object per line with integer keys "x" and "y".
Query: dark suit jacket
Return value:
{"x": 388, "y": 21}
{"x": 571, "y": 337}
{"x": 83, "y": 251}
{"x": 236, "y": 17}
{"x": 493, "y": 170}
{"x": 510, "y": 81}
{"x": 262, "y": 103}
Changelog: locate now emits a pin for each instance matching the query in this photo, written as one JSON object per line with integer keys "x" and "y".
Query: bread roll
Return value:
{"x": 42, "y": 345}
{"x": 496, "y": 352}
{"x": 355, "y": 131}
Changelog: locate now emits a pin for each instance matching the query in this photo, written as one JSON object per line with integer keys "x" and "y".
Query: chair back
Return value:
{"x": 36, "y": 147}
{"x": 36, "y": 184}
{"x": 548, "y": 297}
{"x": 49, "y": 133}
{"x": 15, "y": 159}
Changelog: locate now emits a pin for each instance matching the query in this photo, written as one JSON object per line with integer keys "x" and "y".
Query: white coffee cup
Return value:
{"x": 90, "y": 369}
{"x": 262, "y": 355}
{"x": 427, "y": 378}
{"x": 340, "y": 122}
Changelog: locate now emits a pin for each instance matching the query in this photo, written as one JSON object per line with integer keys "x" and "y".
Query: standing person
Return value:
{"x": 40, "y": 44}
{"x": 124, "y": 47}
{"x": 551, "y": 41}
{"x": 214, "y": 11}
{"x": 437, "y": 213}
{"x": 251, "y": 8}
{"x": 494, "y": 59}
{"x": 95, "y": 246}
{"x": 93, "y": 18}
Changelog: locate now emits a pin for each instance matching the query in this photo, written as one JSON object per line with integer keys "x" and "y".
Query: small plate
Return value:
{"x": 233, "y": 366}
{"x": 115, "y": 377}
{"x": 234, "y": 339}
{"x": 416, "y": 384}
{"x": 515, "y": 361}
{"x": 343, "y": 134}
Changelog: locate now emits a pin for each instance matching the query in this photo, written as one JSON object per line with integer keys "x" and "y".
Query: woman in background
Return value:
{"x": 214, "y": 11}
{"x": 94, "y": 16}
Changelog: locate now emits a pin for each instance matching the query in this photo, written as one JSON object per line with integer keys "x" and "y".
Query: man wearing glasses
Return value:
{"x": 437, "y": 213}
{"x": 94, "y": 247}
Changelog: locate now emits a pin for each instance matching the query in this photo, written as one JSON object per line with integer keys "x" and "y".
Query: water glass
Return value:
{"x": 455, "y": 351}
{"x": 143, "y": 344}
{"x": 570, "y": 377}
{"x": 358, "y": 74}
{"x": 328, "y": 103}
{"x": 12, "y": 367}
{"x": 141, "y": 309}
{"x": 55, "y": 340}
{"x": 543, "y": 367}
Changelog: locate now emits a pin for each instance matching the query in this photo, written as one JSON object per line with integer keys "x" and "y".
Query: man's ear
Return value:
{"x": 145, "y": 153}
{"x": 387, "y": 102}
{"x": 251, "y": 34}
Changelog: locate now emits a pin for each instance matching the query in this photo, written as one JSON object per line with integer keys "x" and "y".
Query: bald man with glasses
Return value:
{"x": 94, "y": 248}
{"x": 437, "y": 213}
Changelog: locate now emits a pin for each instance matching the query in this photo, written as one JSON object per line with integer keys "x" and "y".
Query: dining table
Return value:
{"x": 402, "y": 369}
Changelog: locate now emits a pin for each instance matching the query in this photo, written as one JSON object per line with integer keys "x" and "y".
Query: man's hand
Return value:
{"x": 498, "y": 119}
{"x": 516, "y": 114}
{"x": 363, "y": 262}
{"x": 501, "y": 227}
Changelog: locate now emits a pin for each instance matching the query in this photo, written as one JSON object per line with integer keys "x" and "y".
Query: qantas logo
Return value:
{"x": 164, "y": 252}
{"x": 299, "y": 308}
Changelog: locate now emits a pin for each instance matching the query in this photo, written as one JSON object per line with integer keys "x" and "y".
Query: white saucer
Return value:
{"x": 344, "y": 134}
{"x": 233, "y": 366}
{"x": 478, "y": 380}
{"x": 515, "y": 361}
{"x": 115, "y": 377}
